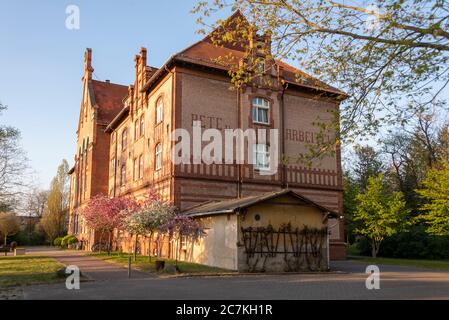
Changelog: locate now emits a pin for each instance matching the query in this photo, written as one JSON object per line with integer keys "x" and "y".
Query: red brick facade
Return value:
{"x": 191, "y": 86}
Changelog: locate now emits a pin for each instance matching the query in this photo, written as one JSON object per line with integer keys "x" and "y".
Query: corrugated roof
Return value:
{"x": 235, "y": 205}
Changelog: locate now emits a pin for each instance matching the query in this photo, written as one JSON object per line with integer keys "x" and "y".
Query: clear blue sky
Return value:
{"x": 41, "y": 62}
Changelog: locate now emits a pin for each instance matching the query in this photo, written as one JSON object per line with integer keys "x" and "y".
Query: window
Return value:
{"x": 261, "y": 157}
{"x": 136, "y": 130}
{"x": 260, "y": 110}
{"x": 158, "y": 159}
{"x": 124, "y": 139}
{"x": 140, "y": 166}
{"x": 142, "y": 125}
{"x": 159, "y": 110}
{"x": 135, "y": 169}
{"x": 123, "y": 175}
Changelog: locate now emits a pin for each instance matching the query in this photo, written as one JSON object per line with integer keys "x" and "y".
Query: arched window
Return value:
{"x": 159, "y": 110}
{"x": 261, "y": 108}
{"x": 124, "y": 139}
{"x": 158, "y": 157}
{"x": 142, "y": 125}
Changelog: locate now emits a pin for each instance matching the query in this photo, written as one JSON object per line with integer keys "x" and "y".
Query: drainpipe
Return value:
{"x": 240, "y": 126}
{"x": 115, "y": 161}
{"x": 328, "y": 243}
{"x": 282, "y": 126}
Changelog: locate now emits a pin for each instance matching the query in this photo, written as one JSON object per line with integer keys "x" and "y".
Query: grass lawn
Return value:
{"x": 430, "y": 264}
{"x": 25, "y": 270}
{"x": 144, "y": 264}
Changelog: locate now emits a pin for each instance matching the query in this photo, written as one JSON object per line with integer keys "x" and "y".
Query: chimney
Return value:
{"x": 88, "y": 70}
{"x": 108, "y": 81}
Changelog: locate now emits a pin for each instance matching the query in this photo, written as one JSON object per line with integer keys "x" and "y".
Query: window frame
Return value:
{"x": 124, "y": 142}
{"x": 136, "y": 130}
{"x": 135, "y": 169}
{"x": 123, "y": 175}
{"x": 141, "y": 164}
{"x": 158, "y": 157}
{"x": 142, "y": 126}
{"x": 255, "y": 106}
{"x": 159, "y": 114}
{"x": 266, "y": 154}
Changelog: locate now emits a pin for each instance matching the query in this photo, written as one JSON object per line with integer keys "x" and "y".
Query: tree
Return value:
{"x": 13, "y": 166}
{"x": 435, "y": 192}
{"x": 37, "y": 203}
{"x": 54, "y": 219}
{"x": 105, "y": 214}
{"x": 9, "y": 225}
{"x": 350, "y": 191}
{"x": 181, "y": 226}
{"x": 148, "y": 218}
{"x": 380, "y": 213}
{"x": 412, "y": 153}
{"x": 367, "y": 164}
{"x": 391, "y": 58}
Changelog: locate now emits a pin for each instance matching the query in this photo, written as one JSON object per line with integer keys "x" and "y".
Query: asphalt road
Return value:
{"x": 347, "y": 281}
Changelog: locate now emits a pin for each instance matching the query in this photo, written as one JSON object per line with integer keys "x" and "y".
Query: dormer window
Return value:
{"x": 261, "y": 107}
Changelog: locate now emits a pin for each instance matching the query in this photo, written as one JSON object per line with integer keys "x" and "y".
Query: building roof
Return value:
{"x": 206, "y": 53}
{"x": 108, "y": 97}
{"x": 235, "y": 205}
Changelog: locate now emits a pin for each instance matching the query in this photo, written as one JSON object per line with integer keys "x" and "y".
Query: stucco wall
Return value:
{"x": 219, "y": 247}
{"x": 277, "y": 212}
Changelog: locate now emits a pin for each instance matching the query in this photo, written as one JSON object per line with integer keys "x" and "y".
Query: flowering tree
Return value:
{"x": 147, "y": 218}
{"x": 182, "y": 226}
{"x": 105, "y": 214}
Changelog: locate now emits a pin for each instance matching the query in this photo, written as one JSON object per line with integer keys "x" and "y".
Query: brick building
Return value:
{"x": 124, "y": 135}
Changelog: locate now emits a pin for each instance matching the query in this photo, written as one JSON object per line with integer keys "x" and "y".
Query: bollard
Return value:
{"x": 129, "y": 267}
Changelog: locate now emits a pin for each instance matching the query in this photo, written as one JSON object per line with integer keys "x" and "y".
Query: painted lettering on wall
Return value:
{"x": 210, "y": 122}
{"x": 306, "y": 136}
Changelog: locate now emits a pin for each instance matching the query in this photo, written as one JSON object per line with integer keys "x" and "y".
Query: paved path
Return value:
{"x": 94, "y": 268}
{"x": 397, "y": 282}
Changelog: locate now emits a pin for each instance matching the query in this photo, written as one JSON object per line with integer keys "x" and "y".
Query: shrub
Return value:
{"x": 25, "y": 238}
{"x": 57, "y": 242}
{"x": 413, "y": 244}
{"x": 71, "y": 240}
{"x": 68, "y": 239}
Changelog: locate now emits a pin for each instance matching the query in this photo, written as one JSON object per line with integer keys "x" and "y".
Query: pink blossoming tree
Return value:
{"x": 105, "y": 214}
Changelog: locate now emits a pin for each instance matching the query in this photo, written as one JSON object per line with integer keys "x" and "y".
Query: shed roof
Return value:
{"x": 235, "y": 205}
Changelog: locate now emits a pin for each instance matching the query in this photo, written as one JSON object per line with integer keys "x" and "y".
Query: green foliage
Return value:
{"x": 54, "y": 219}
{"x": 57, "y": 242}
{"x": 380, "y": 213}
{"x": 436, "y": 191}
{"x": 67, "y": 240}
{"x": 25, "y": 238}
{"x": 414, "y": 243}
